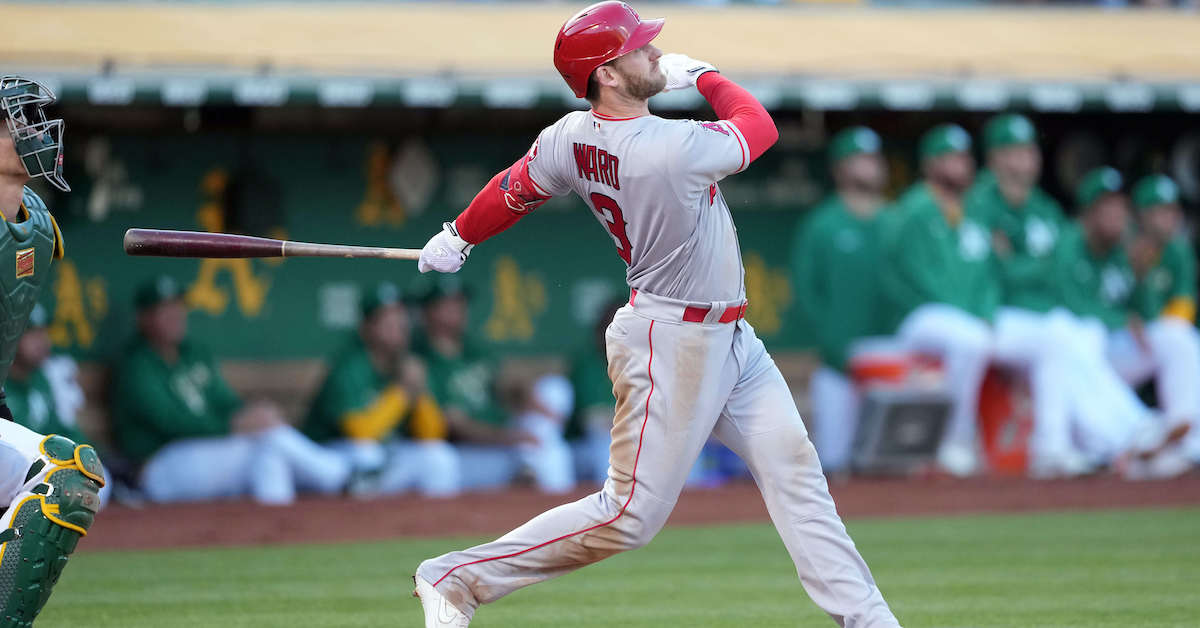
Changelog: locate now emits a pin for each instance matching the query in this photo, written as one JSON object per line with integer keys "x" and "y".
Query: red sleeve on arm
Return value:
{"x": 501, "y": 203}
{"x": 737, "y": 106}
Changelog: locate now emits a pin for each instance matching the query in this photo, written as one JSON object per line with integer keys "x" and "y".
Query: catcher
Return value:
{"x": 49, "y": 485}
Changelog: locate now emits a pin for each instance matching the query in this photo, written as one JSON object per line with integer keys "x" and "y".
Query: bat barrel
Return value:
{"x": 166, "y": 243}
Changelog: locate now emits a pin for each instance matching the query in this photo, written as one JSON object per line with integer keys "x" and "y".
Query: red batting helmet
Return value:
{"x": 597, "y": 35}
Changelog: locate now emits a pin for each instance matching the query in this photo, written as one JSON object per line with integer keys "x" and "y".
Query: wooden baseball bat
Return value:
{"x": 168, "y": 243}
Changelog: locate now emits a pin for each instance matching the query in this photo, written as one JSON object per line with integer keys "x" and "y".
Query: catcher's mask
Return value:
{"x": 38, "y": 141}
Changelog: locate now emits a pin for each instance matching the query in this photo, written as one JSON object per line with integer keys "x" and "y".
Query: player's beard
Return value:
{"x": 871, "y": 186}
{"x": 954, "y": 184}
{"x": 642, "y": 87}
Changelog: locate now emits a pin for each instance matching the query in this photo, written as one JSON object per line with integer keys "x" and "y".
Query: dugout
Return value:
{"x": 228, "y": 117}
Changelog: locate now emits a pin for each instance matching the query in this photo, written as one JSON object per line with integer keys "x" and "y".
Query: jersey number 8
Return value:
{"x": 609, "y": 212}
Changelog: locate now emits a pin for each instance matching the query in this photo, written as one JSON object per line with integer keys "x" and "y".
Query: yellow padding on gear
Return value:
{"x": 54, "y": 461}
{"x": 49, "y": 511}
{"x": 82, "y": 468}
{"x": 14, "y": 510}
{"x": 60, "y": 247}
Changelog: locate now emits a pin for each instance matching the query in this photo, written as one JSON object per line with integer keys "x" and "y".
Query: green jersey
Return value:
{"x": 928, "y": 260}
{"x": 1169, "y": 288}
{"x": 32, "y": 403}
{"x": 835, "y": 268}
{"x": 29, "y": 244}
{"x": 1094, "y": 285}
{"x": 1033, "y": 229}
{"x": 465, "y": 382}
{"x": 357, "y": 401}
{"x": 155, "y": 403}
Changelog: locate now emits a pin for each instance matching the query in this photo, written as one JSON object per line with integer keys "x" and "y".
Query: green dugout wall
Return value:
{"x": 390, "y": 176}
{"x": 537, "y": 288}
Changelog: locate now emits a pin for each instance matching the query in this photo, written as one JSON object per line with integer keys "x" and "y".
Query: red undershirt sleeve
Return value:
{"x": 737, "y": 106}
{"x": 501, "y": 203}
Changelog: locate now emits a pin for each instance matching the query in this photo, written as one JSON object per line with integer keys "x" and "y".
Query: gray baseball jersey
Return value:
{"x": 652, "y": 184}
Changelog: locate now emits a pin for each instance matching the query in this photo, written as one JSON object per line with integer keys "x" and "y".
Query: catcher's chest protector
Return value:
{"x": 28, "y": 244}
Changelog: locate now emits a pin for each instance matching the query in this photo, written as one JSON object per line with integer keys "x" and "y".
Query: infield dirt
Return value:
{"x": 341, "y": 519}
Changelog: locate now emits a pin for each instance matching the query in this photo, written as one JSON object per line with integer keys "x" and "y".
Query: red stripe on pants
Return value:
{"x": 633, "y": 487}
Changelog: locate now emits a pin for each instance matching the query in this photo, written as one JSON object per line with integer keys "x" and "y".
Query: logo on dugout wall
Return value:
{"x": 80, "y": 304}
{"x": 769, "y": 293}
{"x": 518, "y": 299}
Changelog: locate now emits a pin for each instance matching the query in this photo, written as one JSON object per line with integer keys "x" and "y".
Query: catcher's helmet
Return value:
{"x": 38, "y": 141}
{"x": 597, "y": 35}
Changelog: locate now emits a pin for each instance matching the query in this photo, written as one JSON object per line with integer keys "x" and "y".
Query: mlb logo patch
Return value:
{"x": 24, "y": 263}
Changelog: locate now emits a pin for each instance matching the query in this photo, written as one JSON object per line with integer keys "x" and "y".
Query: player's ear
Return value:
{"x": 607, "y": 75}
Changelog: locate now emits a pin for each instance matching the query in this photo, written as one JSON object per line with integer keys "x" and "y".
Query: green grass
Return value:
{"x": 1121, "y": 568}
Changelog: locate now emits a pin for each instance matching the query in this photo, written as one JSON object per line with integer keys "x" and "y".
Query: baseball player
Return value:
{"x": 939, "y": 281}
{"x": 1032, "y": 330}
{"x": 28, "y": 390}
{"x": 1097, "y": 283}
{"x": 49, "y": 485}
{"x": 492, "y": 447}
{"x": 375, "y": 406}
{"x": 835, "y": 259}
{"x": 683, "y": 362}
{"x": 1165, "y": 299}
{"x": 192, "y": 435}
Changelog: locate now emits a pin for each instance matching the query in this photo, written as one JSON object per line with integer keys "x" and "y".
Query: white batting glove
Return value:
{"x": 682, "y": 70}
{"x": 445, "y": 252}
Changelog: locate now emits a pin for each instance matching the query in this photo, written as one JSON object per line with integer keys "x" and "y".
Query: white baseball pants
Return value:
{"x": 676, "y": 383}
{"x": 964, "y": 344}
{"x": 835, "y": 407}
{"x": 270, "y": 466}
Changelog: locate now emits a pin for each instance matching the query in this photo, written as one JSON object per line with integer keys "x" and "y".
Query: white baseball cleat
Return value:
{"x": 439, "y": 612}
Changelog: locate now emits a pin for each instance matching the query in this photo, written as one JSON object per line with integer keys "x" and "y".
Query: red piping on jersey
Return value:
{"x": 632, "y": 488}
{"x": 613, "y": 118}
{"x": 737, "y": 106}
{"x": 741, "y": 145}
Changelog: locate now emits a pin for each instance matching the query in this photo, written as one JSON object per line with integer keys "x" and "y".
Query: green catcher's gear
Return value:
{"x": 42, "y": 525}
{"x": 29, "y": 245}
{"x": 38, "y": 141}
{"x": 1097, "y": 183}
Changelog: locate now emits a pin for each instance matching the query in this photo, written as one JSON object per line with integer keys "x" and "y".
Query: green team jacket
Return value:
{"x": 155, "y": 403}
{"x": 1094, "y": 285}
{"x": 1027, "y": 273}
{"x": 927, "y": 260}
{"x": 357, "y": 401}
{"x": 465, "y": 382}
{"x": 835, "y": 266}
{"x": 32, "y": 403}
{"x": 1169, "y": 288}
